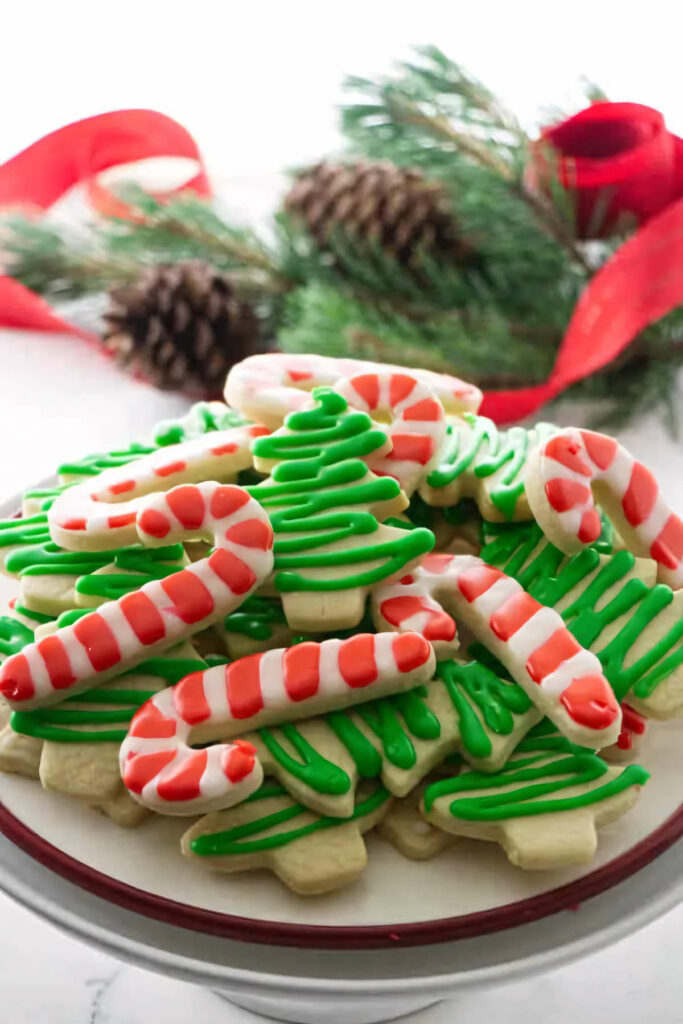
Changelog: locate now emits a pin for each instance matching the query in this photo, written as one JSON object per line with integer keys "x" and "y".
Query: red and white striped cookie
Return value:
{"x": 407, "y": 604}
{"x": 577, "y": 468}
{"x": 266, "y": 388}
{"x": 163, "y": 772}
{"x": 101, "y": 513}
{"x": 122, "y": 633}
{"x": 418, "y": 422}
{"x": 563, "y": 680}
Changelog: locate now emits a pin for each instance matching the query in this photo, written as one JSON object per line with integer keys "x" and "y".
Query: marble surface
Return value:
{"x": 59, "y": 398}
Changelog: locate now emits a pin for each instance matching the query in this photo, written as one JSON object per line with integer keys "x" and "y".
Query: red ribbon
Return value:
{"x": 75, "y": 155}
{"x": 641, "y": 283}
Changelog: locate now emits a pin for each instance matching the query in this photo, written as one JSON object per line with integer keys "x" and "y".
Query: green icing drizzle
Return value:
{"x": 56, "y": 724}
{"x": 395, "y": 721}
{"x": 203, "y": 418}
{"x": 534, "y": 777}
{"x": 484, "y": 450}
{"x": 238, "y": 840}
{"x": 13, "y": 635}
{"x": 497, "y": 701}
{"x": 91, "y": 465}
{"x": 255, "y": 618}
{"x": 28, "y": 530}
{"x": 549, "y": 576}
{"x": 319, "y": 470}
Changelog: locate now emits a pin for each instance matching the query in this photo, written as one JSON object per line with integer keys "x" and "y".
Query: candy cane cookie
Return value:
{"x": 164, "y": 773}
{"x": 121, "y": 634}
{"x": 418, "y": 424}
{"x": 266, "y": 388}
{"x": 101, "y": 513}
{"x": 563, "y": 680}
{"x": 572, "y": 471}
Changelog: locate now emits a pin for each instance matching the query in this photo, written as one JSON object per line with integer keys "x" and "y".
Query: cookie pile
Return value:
{"x": 345, "y": 601}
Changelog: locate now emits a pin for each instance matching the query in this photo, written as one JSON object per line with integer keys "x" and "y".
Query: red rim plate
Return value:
{"x": 281, "y": 933}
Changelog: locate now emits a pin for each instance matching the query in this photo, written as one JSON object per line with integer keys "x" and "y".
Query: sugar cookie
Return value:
{"x": 544, "y": 807}
{"x": 417, "y": 424}
{"x": 311, "y": 854}
{"x": 562, "y": 679}
{"x": 122, "y": 633}
{"x": 612, "y": 604}
{"x": 478, "y": 461}
{"x": 101, "y": 514}
{"x": 568, "y": 474}
{"x": 163, "y": 772}
{"x": 327, "y": 509}
{"x": 266, "y": 388}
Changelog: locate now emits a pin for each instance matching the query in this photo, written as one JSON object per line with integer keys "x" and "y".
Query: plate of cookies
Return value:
{"x": 338, "y": 663}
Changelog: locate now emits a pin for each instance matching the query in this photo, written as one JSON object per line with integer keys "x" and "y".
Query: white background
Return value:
{"x": 257, "y": 83}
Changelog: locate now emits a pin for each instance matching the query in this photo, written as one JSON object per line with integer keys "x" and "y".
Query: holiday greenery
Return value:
{"x": 429, "y": 245}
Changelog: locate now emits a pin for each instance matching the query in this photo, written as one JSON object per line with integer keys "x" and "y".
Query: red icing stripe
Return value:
{"x": 427, "y": 409}
{"x": 550, "y": 655}
{"x": 633, "y": 721}
{"x": 192, "y": 601}
{"x": 411, "y": 448}
{"x": 512, "y": 615}
{"x": 356, "y": 660}
{"x": 125, "y": 485}
{"x": 367, "y": 386}
{"x": 667, "y": 547}
{"x": 239, "y": 761}
{"x": 437, "y": 563}
{"x": 440, "y": 625}
{"x": 297, "y": 375}
{"x": 149, "y": 723}
{"x": 16, "y": 679}
{"x": 142, "y": 768}
{"x": 57, "y": 663}
{"x": 232, "y": 571}
{"x": 143, "y": 617}
{"x": 400, "y": 387}
{"x": 185, "y": 783}
{"x": 301, "y": 670}
{"x": 100, "y": 644}
{"x": 257, "y": 430}
{"x": 601, "y": 449}
{"x": 640, "y": 496}
{"x": 566, "y": 451}
{"x": 170, "y": 468}
{"x": 74, "y": 524}
{"x": 564, "y": 494}
{"x": 590, "y": 527}
{"x": 225, "y": 449}
{"x": 125, "y": 519}
{"x": 243, "y": 686}
{"x": 187, "y": 505}
{"x": 226, "y": 500}
{"x": 156, "y": 524}
{"x": 590, "y": 701}
{"x": 474, "y": 582}
{"x": 251, "y": 533}
{"x": 190, "y": 700}
{"x": 410, "y": 651}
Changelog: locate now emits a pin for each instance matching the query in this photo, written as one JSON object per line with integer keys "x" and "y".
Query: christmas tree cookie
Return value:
{"x": 612, "y": 605}
{"x": 544, "y": 807}
{"x": 328, "y": 510}
{"x": 399, "y": 739}
{"x": 312, "y": 854}
{"x": 476, "y": 460}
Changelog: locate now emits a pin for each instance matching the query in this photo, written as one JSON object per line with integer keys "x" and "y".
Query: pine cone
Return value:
{"x": 381, "y": 203}
{"x": 180, "y": 326}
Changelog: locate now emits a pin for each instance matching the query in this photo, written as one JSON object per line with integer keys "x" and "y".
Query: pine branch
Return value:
{"x": 419, "y": 103}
